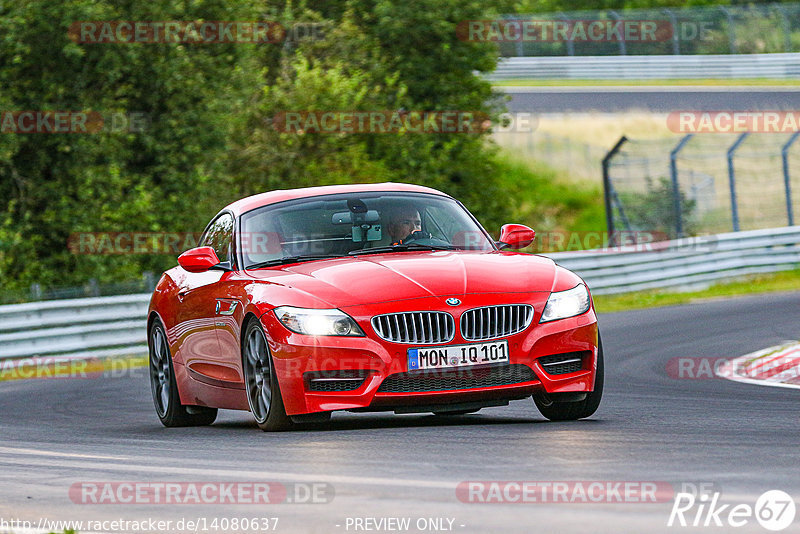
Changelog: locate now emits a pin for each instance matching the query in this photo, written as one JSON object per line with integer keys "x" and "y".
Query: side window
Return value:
{"x": 219, "y": 237}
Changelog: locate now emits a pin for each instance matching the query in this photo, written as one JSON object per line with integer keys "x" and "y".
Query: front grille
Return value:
{"x": 450, "y": 379}
{"x": 561, "y": 364}
{"x": 419, "y": 328}
{"x": 491, "y": 322}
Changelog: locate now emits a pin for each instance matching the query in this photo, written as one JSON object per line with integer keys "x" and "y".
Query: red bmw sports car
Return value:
{"x": 376, "y": 297}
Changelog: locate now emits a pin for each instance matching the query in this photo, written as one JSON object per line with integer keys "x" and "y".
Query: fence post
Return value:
{"x": 676, "y": 43}
{"x": 731, "y": 28}
{"x": 607, "y": 189}
{"x": 616, "y": 17}
{"x": 732, "y": 180}
{"x": 676, "y": 190}
{"x": 786, "y": 181}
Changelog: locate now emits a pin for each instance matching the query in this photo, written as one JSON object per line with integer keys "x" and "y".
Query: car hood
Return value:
{"x": 359, "y": 280}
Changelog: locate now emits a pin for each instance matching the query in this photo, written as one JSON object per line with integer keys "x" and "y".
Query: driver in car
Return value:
{"x": 404, "y": 224}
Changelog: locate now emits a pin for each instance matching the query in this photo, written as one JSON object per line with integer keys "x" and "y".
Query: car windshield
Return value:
{"x": 356, "y": 223}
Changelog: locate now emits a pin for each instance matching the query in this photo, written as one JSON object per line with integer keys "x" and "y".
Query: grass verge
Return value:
{"x": 749, "y": 285}
{"x": 547, "y": 200}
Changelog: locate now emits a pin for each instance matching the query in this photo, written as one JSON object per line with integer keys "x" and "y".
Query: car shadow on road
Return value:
{"x": 347, "y": 421}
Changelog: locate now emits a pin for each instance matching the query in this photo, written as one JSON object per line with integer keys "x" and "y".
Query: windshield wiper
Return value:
{"x": 291, "y": 259}
{"x": 401, "y": 247}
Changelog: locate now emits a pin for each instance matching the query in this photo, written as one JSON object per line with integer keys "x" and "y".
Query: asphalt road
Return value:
{"x": 741, "y": 438}
{"x": 651, "y": 98}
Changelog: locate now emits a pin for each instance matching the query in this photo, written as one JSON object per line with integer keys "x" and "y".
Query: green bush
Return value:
{"x": 654, "y": 210}
{"x": 210, "y": 137}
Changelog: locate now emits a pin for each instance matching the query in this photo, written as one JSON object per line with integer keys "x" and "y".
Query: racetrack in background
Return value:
{"x": 651, "y": 98}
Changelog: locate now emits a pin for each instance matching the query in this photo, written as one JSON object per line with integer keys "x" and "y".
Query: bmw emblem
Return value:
{"x": 453, "y": 302}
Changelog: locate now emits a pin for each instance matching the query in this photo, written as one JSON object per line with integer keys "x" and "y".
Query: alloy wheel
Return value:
{"x": 160, "y": 371}
{"x": 257, "y": 373}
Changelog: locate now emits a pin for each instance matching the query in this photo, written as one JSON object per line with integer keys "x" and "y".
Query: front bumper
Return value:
{"x": 299, "y": 358}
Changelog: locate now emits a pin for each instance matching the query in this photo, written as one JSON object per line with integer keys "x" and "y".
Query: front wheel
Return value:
{"x": 167, "y": 402}
{"x": 263, "y": 392}
{"x": 569, "y": 411}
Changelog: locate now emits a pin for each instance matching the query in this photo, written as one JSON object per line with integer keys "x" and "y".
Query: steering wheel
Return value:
{"x": 419, "y": 234}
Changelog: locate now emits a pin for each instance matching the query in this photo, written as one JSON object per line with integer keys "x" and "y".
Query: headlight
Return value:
{"x": 565, "y": 304}
{"x": 317, "y": 322}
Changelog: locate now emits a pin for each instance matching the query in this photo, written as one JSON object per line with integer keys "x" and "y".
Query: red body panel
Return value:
{"x": 204, "y": 313}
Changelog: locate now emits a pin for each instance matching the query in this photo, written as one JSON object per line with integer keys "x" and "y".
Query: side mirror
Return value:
{"x": 515, "y": 236}
{"x": 198, "y": 260}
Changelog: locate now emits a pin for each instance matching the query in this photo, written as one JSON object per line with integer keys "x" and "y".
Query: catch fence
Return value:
{"x": 703, "y": 184}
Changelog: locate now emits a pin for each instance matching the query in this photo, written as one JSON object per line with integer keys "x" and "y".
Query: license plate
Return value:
{"x": 457, "y": 355}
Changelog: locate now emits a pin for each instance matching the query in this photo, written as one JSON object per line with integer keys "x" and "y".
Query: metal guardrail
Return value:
{"x": 685, "y": 263}
{"x": 90, "y": 327}
{"x": 107, "y": 326}
{"x": 773, "y": 66}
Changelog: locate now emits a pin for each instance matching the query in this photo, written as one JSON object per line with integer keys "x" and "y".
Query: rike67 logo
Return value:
{"x": 774, "y": 510}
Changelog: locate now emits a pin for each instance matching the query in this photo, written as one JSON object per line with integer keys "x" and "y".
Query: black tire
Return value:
{"x": 261, "y": 385}
{"x": 167, "y": 402}
{"x": 556, "y": 410}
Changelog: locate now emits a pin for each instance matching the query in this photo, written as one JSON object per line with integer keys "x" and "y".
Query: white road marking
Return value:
{"x": 226, "y": 474}
{"x": 36, "y": 452}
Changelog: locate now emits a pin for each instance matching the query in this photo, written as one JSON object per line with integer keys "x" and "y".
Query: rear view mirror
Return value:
{"x": 198, "y": 260}
{"x": 366, "y": 224}
{"x": 516, "y": 236}
{"x": 346, "y": 217}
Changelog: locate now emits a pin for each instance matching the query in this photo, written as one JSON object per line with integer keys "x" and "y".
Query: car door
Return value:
{"x": 229, "y": 314}
{"x": 198, "y": 310}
